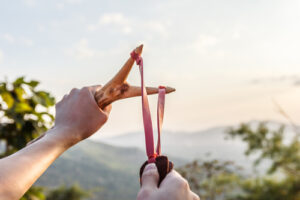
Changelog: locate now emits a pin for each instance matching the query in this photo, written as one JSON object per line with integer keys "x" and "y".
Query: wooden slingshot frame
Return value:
{"x": 117, "y": 88}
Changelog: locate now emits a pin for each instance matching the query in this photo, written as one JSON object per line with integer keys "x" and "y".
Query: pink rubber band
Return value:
{"x": 147, "y": 115}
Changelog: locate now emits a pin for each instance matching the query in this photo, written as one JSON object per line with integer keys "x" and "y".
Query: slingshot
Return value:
{"x": 117, "y": 88}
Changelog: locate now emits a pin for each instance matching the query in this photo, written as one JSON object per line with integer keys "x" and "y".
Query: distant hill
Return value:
{"x": 109, "y": 172}
{"x": 198, "y": 145}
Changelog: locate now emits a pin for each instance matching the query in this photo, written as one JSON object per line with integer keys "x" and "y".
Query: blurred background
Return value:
{"x": 231, "y": 127}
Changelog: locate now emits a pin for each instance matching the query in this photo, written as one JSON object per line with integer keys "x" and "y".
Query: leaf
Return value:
{"x": 20, "y": 92}
{"x": 23, "y": 107}
{"x": 19, "y": 81}
{"x": 18, "y": 126}
{"x": 8, "y": 99}
{"x": 45, "y": 99}
{"x": 33, "y": 83}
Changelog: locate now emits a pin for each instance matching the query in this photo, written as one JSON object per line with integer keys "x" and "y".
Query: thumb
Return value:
{"x": 150, "y": 177}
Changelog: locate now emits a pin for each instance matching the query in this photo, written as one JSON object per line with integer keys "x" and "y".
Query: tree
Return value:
{"x": 24, "y": 114}
{"x": 282, "y": 180}
{"x": 63, "y": 193}
{"x": 212, "y": 179}
{"x": 220, "y": 180}
{"x": 34, "y": 193}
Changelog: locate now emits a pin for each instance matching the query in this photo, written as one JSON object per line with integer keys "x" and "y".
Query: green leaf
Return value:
{"x": 20, "y": 92}
{"x": 23, "y": 107}
{"x": 45, "y": 99}
{"x": 8, "y": 99}
{"x": 18, "y": 126}
{"x": 19, "y": 81}
{"x": 33, "y": 83}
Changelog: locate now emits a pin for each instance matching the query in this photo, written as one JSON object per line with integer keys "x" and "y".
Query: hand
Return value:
{"x": 172, "y": 187}
{"x": 78, "y": 114}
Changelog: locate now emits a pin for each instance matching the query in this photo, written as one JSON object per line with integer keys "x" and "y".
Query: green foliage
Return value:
{"x": 34, "y": 193}
{"x": 212, "y": 179}
{"x": 23, "y": 116}
{"x": 63, "y": 193}
{"x": 270, "y": 188}
{"x": 285, "y": 163}
{"x": 270, "y": 144}
{"x": 23, "y": 113}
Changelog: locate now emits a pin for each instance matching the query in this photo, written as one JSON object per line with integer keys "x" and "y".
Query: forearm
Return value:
{"x": 20, "y": 170}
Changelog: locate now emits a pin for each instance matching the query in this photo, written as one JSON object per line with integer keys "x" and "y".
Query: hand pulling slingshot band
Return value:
{"x": 118, "y": 88}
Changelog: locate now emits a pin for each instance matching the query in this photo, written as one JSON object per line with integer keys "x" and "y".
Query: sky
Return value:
{"x": 228, "y": 60}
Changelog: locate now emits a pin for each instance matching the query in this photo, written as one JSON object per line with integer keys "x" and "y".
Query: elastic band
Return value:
{"x": 147, "y": 115}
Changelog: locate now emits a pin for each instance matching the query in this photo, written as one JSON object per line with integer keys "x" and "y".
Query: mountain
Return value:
{"x": 108, "y": 172}
{"x": 198, "y": 145}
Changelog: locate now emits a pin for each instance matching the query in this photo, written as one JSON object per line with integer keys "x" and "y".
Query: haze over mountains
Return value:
{"x": 198, "y": 145}
{"x": 110, "y": 171}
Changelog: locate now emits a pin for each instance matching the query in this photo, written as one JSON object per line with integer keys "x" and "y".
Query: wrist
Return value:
{"x": 62, "y": 136}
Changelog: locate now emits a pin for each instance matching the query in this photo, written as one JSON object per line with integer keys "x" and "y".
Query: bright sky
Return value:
{"x": 227, "y": 59}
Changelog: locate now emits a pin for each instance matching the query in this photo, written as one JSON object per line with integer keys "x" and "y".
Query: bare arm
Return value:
{"x": 77, "y": 117}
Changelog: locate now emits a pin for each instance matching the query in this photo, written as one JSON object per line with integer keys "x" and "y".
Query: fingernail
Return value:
{"x": 149, "y": 167}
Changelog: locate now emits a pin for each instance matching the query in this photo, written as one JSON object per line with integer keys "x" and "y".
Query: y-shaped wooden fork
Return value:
{"x": 117, "y": 88}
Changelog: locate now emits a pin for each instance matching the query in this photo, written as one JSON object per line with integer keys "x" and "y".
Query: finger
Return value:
{"x": 194, "y": 196}
{"x": 74, "y": 90}
{"x": 64, "y": 97}
{"x": 94, "y": 88}
{"x": 107, "y": 109}
{"x": 172, "y": 177}
{"x": 150, "y": 177}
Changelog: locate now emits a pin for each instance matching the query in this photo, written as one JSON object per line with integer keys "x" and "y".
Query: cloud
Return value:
{"x": 206, "y": 40}
{"x": 203, "y": 42}
{"x": 113, "y": 18}
{"x": 116, "y": 19}
{"x": 126, "y": 25}
{"x": 158, "y": 27}
{"x": 60, "y": 6}
{"x": 17, "y": 40}
{"x": 9, "y": 38}
{"x": 81, "y": 50}
{"x": 236, "y": 35}
{"x": 74, "y": 1}
{"x": 30, "y": 3}
{"x": 26, "y": 41}
{"x": 294, "y": 79}
{"x": 297, "y": 82}
{"x": 1, "y": 56}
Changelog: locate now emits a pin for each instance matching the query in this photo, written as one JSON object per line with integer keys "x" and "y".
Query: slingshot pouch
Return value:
{"x": 164, "y": 166}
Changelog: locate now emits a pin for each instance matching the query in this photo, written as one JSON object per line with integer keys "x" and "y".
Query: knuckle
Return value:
{"x": 105, "y": 118}
{"x": 196, "y": 197}
{"x": 73, "y": 90}
{"x": 84, "y": 90}
{"x": 150, "y": 173}
{"x": 184, "y": 184}
{"x": 143, "y": 194}
{"x": 57, "y": 105}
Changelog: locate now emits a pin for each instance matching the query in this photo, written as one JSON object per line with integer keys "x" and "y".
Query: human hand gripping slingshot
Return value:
{"x": 117, "y": 88}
